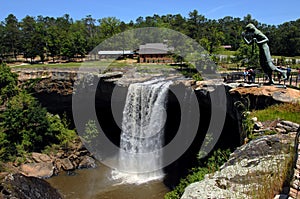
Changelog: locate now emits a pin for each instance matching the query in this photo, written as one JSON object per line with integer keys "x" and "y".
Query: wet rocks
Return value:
{"x": 19, "y": 186}
{"x": 44, "y": 166}
{"x": 66, "y": 164}
{"x": 87, "y": 162}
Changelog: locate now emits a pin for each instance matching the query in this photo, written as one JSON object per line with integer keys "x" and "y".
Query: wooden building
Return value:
{"x": 155, "y": 53}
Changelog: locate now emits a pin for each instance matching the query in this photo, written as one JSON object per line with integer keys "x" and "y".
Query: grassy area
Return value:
{"x": 226, "y": 52}
{"x": 286, "y": 111}
{"x": 105, "y": 63}
{"x": 58, "y": 65}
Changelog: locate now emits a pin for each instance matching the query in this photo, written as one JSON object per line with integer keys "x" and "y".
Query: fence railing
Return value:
{"x": 261, "y": 78}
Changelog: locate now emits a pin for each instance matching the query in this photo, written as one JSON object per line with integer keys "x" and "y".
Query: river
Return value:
{"x": 98, "y": 183}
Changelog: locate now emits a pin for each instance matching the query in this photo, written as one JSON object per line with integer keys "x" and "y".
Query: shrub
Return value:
{"x": 285, "y": 111}
{"x": 247, "y": 123}
{"x": 59, "y": 129}
{"x": 24, "y": 124}
{"x": 8, "y": 83}
{"x": 27, "y": 127}
{"x": 213, "y": 163}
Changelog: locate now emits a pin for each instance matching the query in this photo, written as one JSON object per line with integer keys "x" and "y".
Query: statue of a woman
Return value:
{"x": 264, "y": 51}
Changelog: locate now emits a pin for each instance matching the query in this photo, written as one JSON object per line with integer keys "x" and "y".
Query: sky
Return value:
{"x": 271, "y": 12}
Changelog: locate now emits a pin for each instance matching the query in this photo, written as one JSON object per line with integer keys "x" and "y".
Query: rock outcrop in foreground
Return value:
{"x": 44, "y": 166}
{"x": 252, "y": 170}
{"x": 16, "y": 186}
{"x": 263, "y": 96}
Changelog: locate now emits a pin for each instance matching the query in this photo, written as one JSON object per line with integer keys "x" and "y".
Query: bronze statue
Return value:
{"x": 252, "y": 34}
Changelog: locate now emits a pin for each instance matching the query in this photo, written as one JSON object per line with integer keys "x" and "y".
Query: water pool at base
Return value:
{"x": 99, "y": 183}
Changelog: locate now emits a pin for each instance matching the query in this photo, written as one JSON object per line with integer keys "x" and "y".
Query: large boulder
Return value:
{"x": 67, "y": 164}
{"x": 250, "y": 169}
{"x": 18, "y": 186}
{"x": 263, "y": 96}
{"x": 40, "y": 170}
{"x": 87, "y": 162}
{"x": 39, "y": 157}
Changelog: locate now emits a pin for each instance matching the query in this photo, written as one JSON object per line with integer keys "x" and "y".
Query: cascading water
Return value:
{"x": 144, "y": 116}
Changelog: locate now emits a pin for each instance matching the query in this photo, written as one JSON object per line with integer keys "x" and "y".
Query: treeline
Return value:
{"x": 63, "y": 37}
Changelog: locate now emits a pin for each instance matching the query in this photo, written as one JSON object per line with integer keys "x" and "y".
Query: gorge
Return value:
{"x": 54, "y": 90}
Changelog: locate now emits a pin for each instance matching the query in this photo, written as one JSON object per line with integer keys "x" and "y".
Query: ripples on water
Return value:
{"x": 99, "y": 183}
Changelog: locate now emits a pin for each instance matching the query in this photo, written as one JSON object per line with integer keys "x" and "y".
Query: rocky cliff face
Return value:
{"x": 252, "y": 170}
{"x": 249, "y": 167}
{"x": 54, "y": 90}
{"x": 263, "y": 96}
{"x": 261, "y": 168}
{"x": 54, "y": 87}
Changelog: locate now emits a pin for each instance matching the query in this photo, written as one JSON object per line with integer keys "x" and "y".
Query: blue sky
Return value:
{"x": 273, "y": 12}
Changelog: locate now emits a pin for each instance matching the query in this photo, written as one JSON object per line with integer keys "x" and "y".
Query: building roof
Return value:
{"x": 155, "y": 48}
{"x": 115, "y": 52}
{"x": 227, "y": 46}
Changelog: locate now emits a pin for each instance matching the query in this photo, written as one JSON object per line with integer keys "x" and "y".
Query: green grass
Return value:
{"x": 226, "y": 52}
{"x": 58, "y": 65}
{"x": 286, "y": 111}
{"x": 105, "y": 64}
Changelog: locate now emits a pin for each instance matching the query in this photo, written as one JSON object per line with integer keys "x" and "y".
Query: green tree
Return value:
{"x": 75, "y": 43}
{"x": 289, "y": 36}
{"x": 247, "y": 54}
{"x": 213, "y": 40}
{"x": 53, "y": 39}
{"x": 24, "y": 125}
{"x": 28, "y": 28}
{"x": 178, "y": 23}
{"x": 40, "y": 38}
{"x": 8, "y": 83}
{"x": 57, "y": 35}
{"x": 248, "y": 19}
{"x": 109, "y": 26}
{"x": 92, "y": 33}
{"x": 12, "y": 35}
{"x": 3, "y": 49}
{"x": 232, "y": 28}
{"x": 27, "y": 127}
{"x": 195, "y": 25}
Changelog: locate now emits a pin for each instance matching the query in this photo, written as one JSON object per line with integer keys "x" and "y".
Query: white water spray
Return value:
{"x": 144, "y": 117}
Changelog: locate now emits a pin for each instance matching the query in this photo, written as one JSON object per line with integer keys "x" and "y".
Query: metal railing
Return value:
{"x": 261, "y": 78}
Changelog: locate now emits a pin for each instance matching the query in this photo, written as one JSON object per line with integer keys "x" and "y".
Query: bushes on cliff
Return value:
{"x": 8, "y": 83}
{"x": 25, "y": 126}
{"x": 213, "y": 163}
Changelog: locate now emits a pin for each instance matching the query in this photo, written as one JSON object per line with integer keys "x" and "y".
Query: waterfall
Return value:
{"x": 144, "y": 116}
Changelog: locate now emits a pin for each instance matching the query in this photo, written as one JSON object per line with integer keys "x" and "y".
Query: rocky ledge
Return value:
{"x": 262, "y": 166}
{"x": 44, "y": 166}
{"x": 262, "y": 96}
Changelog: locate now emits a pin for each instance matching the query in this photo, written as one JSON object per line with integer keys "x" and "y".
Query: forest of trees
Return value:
{"x": 65, "y": 38}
